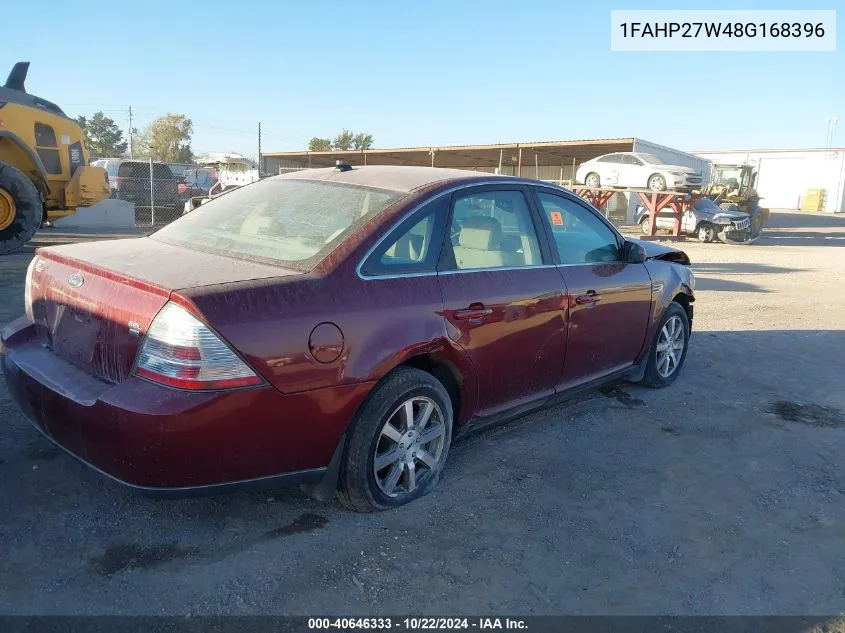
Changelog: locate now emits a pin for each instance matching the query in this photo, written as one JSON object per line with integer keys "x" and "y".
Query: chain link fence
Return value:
{"x": 157, "y": 191}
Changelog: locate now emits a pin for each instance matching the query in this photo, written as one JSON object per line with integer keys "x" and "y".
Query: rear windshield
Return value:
{"x": 278, "y": 221}
{"x": 142, "y": 170}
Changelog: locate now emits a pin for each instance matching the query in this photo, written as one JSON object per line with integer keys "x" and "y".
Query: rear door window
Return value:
{"x": 493, "y": 229}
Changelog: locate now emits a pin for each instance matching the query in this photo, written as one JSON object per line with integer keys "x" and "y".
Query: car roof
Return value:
{"x": 393, "y": 177}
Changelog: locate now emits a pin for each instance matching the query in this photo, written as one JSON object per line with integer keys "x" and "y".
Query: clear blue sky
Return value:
{"x": 433, "y": 72}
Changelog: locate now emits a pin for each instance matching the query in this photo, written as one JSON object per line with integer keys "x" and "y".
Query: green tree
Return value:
{"x": 83, "y": 123}
{"x": 343, "y": 141}
{"x": 362, "y": 141}
{"x": 103, "y": 137}
{"x": 320, "y": 145}
{"x": 168, "y": 139}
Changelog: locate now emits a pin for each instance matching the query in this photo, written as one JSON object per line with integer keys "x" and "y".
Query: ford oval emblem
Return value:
{"x": 75, "y": 280}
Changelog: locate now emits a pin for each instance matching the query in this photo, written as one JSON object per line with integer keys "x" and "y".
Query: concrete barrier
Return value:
{"x": 111, "y": 214}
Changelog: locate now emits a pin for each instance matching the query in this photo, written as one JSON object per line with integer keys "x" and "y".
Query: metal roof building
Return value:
{"x": 544, "y": 160}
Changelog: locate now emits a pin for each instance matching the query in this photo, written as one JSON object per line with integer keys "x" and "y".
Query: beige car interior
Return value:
{"x": 480, "y": 246}
{"x": 411, "y": 246}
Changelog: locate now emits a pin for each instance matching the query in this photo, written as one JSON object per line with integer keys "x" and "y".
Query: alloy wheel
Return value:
{"x": 670, "y": 346}
{"x": 409, "y": 447}
{"x": 657, "y": 183}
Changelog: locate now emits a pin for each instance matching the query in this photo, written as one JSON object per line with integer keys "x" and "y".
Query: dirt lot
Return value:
{"x": 722, "y": 494}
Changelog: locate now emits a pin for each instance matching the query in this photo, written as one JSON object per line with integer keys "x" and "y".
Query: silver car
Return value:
{"x": 705, "y": 220}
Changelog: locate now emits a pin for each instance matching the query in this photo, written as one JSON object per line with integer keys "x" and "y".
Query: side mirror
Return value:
{"x": 635, "y": 254}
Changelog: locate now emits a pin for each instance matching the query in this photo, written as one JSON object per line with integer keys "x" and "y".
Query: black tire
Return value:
{"x": 656, "y": 182}
{"x": 357, "y": 486}
{"x": 652, "y": 377}
{"x": 597, "y": 179}
{"x": 705, "y": 232}
{"x": 28, "y": 209}
{"x": 644, "y": 227}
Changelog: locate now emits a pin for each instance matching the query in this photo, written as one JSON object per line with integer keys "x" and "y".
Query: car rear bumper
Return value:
{"x": 170, "y": 442}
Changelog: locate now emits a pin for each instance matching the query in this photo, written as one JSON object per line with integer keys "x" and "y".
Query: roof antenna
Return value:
{"x": 18, "y": 76}
{"x": 342, "y": 166}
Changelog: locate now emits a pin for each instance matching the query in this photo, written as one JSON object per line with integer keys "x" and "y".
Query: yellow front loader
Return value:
{"x": 44, "y": 171}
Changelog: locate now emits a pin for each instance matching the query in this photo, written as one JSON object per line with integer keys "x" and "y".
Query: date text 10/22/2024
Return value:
{"x": 417, "y": 624}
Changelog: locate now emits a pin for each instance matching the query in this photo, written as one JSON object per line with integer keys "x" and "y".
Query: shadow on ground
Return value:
{"x": 739, "y": 268}
{"x": 721, "y": 494}
{"x": 726, "y": 285}
{"x": 803, "y": 229}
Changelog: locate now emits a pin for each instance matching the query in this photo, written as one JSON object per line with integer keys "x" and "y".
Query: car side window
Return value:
{"x": 413, "y": 246}
{"x": 580, "y": 236}
{"x": 493, "y": 229}
{"x": 631, "y": 160}
{"x": 610, "y": 158}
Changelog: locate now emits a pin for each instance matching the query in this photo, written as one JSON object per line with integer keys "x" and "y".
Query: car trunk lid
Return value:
{"x": 93, "y": 303}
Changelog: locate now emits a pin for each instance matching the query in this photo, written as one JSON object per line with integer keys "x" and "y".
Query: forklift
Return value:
{"x": 733, "y": 188}
{"x": 44, "y": 170}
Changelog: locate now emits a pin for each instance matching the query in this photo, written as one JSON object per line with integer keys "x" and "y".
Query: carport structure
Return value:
{"x": 547, "y": 160}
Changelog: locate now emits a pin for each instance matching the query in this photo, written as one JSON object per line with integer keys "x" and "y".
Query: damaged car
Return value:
{"x": 337, "y": 328}
{"x": 705, "y": 220}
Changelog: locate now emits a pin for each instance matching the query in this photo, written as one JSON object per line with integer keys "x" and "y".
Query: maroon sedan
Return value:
{"x": 337, "y": 328}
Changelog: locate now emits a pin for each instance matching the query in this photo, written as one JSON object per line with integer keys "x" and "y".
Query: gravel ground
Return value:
{"x": 720, "y": 495}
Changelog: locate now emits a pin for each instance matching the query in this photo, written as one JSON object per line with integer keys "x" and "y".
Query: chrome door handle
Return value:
{"x": 588, "y": 298}
{"x": 474, "y": 311}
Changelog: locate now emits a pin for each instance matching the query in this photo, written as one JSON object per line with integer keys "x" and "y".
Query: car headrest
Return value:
{"x": 481, "y": 233}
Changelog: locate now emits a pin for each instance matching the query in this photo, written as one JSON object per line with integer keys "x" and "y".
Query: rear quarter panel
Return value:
{"x": 383, "y": 324}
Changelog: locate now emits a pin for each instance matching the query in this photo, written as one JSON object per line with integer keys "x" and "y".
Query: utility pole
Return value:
{"x": 131, "y": 148}
{"x": 260, "y": 162}
{"x": 831, "y": 132}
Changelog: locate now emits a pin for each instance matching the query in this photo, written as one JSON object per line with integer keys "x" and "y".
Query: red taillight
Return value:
{"x": 181, "y": 351}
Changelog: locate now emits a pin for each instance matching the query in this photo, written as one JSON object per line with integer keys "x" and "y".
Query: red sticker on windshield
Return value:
{"x": 557, "y": 218}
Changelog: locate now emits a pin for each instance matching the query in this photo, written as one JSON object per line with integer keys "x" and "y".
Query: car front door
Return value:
{"x": 610, "y": 299}
{"x": 631, "y": 172}
{"x": 503, "y": 298}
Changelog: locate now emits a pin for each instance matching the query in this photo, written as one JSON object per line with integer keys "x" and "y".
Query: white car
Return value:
{"x": 635, "y": 169}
